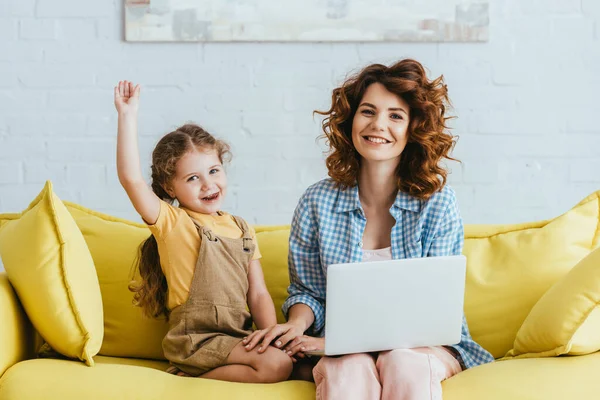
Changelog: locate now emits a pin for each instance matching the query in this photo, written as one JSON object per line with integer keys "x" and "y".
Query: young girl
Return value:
{"x": 200, "y": 268}
{"x": 387, "y": 198}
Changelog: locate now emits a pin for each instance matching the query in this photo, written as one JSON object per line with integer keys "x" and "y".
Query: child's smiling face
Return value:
{"x": 200, "y": 182}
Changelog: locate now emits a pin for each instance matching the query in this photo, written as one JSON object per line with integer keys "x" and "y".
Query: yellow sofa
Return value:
{"x": 509, "y": 268}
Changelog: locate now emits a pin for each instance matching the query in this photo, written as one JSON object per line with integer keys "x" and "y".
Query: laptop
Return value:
{"x": 396, "y": 304}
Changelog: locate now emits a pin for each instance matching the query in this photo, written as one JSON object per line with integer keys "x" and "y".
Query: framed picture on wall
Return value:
{"x": 307, "y": 20}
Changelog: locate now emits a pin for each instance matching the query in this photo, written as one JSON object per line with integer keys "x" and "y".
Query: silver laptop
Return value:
{"x": 384, "y": 305}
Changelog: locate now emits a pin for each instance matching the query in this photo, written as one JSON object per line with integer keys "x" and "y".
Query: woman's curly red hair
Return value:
{"x": 419, "y": 172}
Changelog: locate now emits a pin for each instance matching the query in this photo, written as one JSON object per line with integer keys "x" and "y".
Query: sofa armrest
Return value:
{"x": 16, "y": 333}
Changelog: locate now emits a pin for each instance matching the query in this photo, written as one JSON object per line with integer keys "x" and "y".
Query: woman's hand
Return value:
{"x": 304, "y": 343}
{"x": 263, "y": 338}
{"x": 127, "y": 97}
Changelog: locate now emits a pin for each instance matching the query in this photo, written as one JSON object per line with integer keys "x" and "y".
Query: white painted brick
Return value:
{"x": 582, "y": 120}
{"x": 22, "y": 8}
{"x": 484, "y": 97}
{"x": 74, "y": 30}
{"x": 465, "y": 195}
{"x": 480, "y": 171}
{"x": 101, "y": 54}
{"x": 585, "y": 170}
{"x": 579, "y": 27}
{"x": 305, "y": 101}
{"x": 534, "y": 170}
{"x": 11, "y": 172}
{"x": 236, "y": 100}
{"x": 8, "y": 29}
{"x": 316, "y": 75}
{"x": 102, "y": 125}
{"x": 8, "y": 76}
{"x": 46, "y": 124}
{"x": 591, "y": 7}
{"x": 300, "y": 147}
{"x": 74, "y": 8}
{"x": 311, "y": 172}
{"x": 476, "y": 73}
{"x": 20, "y": 51}
{"x": 16, "y": 197}
{"x": 37, "y": 29}
{"x": 81, "y": 151}
{"x": 147, "y": 77}
{"x": 523, "y": 121}
{"x": 84, "y": 175}
{"x": 143, "y": 54}
{"x": 257, "y": 124}
{"x": 541, "y": 7}
{"x": 17, "y": 148}
{"x": 242, "y": 93}
{"x": 3, "y": 125}
{"x": 71, "y": 101}
{"x": 40, "y": 171}
{"x": 455, "y": 171}
{"x": 222, "y": 74}
{"x": 109, "y": 29}
{"x": 44, "y": 76}
{"x": 17, "y": 8}
{"x": 389, "y": 53}
{"x": 17, "y": 101}
{"x": 106, "y": 198}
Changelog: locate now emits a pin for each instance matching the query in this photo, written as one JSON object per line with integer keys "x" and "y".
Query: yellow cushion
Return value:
{"x": 16, "y": 335}
{"x": 556, "y": 378}
{"x": 119, "y": 378}
{"x": 113, "y": 243}
{"x": 273, "y": 243}
{"x": 510, "y": 267}
{"x": 566, "y": 320}
{"x": 50, "y": 267}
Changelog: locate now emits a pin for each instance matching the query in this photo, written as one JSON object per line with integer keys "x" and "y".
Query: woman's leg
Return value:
{"x": 347, "y": 377}
{"x": 251, "y": 367}
{"x": 415, "y": 374}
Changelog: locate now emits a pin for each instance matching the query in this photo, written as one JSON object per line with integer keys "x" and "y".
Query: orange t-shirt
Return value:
{"x": 179, "y": 243}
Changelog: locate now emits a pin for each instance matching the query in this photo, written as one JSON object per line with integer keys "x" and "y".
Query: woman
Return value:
{"x": 386, "y": 198}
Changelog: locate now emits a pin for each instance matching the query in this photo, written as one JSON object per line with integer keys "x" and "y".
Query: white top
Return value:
{"x": 377, "y": 255}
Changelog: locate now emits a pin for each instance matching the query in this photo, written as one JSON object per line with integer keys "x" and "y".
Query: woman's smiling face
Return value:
{"x": 380, "y": 125}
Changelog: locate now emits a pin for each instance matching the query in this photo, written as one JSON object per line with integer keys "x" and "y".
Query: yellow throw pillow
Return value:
{"x": 113, "y": 243}
{"x": 50, "y": 267}
{"x": 566, "y": 320}
{"x": 510, "y": 267}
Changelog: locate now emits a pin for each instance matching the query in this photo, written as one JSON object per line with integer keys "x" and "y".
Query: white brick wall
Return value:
{"x": 527, "y": 103}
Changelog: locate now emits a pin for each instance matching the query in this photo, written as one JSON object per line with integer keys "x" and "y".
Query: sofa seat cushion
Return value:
{"x": 128, "y": 378}
{"x": 554, "y": 378}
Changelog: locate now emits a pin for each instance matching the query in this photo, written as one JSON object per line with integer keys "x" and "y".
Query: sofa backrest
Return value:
{"x": 509, "y": 268}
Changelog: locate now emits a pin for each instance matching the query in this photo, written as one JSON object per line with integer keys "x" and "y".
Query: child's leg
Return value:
{"x": 251, "y": 367}
{"x": 415, "y": 374}
{"x": 303, "y": 369}
{"x": 347, "y": 377}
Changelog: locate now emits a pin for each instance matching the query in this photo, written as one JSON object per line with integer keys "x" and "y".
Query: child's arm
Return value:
{"x": 146, "y": 203}
{"x": 259, "y": 300}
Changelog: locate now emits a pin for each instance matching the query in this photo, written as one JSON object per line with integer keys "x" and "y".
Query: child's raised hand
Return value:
{"x": 127, "y": 97}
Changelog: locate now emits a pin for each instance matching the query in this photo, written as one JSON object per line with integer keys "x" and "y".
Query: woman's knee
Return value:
{"x": 401, "y": 360}
{"x": 345, "y": 365}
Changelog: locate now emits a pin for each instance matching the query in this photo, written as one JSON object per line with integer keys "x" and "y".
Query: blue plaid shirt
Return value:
{"x": 328, "y": 226}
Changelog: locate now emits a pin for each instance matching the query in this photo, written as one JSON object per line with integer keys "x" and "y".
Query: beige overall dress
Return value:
{"x": 214, "y": 319}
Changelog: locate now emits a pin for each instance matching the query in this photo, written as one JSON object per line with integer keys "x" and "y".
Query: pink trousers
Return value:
{"x": 405, "y": 374}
